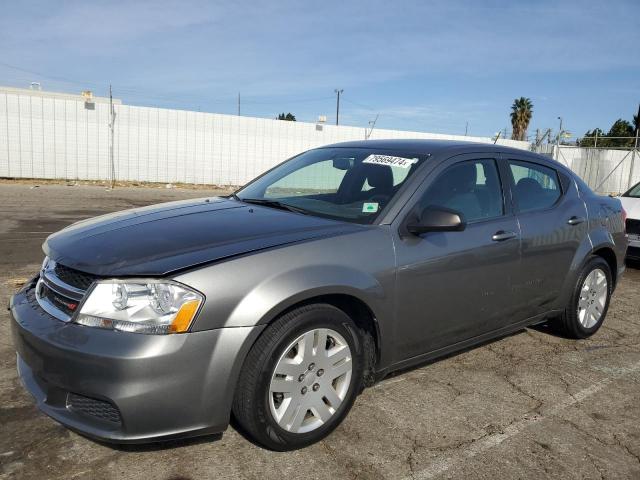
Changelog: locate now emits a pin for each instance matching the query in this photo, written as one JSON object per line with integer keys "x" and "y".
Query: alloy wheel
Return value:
{"x": 593, "y": 298}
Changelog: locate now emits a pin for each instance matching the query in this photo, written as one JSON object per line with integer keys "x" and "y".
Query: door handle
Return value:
{"x": 575, "y": 220}
{"x": 501, "y": 236}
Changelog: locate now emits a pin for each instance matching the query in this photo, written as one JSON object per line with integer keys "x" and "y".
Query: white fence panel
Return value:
{"x": 49, "y": 135}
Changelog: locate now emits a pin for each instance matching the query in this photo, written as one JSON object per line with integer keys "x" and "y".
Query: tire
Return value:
{"x": 576, "y": 322}
{"x": 258, "y": 400}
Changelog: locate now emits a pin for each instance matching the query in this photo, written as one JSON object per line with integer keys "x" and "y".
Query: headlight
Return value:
{"x": 145, "y": 306}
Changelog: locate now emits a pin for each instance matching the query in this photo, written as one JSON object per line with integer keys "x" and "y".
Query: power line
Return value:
{"x": 150, "y": 95}
{"x": 302, "y": 100}
{"x": 51, "y": 77}
{"x": 359, "y": 104}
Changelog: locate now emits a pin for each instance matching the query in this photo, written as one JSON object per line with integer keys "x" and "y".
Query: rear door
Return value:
{"x": 552, "y": 220}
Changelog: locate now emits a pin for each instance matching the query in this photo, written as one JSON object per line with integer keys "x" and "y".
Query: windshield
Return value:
{"x": 633, "y": 191}
{"x": 350, "y": 184}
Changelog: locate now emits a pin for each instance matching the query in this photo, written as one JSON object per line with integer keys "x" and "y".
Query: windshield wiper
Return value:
{"x": 275, "y": 204}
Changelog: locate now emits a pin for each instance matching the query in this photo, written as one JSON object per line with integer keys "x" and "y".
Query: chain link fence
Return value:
{"x": 606, "y": 170}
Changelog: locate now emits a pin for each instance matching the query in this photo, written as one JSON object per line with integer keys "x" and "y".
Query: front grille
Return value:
{"x": 75, "y": 278}
{"x": 93, "y": 407}
{"x": 633, "y": 252}
{"x": 62, "y": 303}
{"x": 633, "y": 226}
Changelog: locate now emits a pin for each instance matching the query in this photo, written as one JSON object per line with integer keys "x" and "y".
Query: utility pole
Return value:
{"x": 112, "y": 119}
{"x": 466, "y": 129}
{"x": 541, "y": 139}
{"x": 559, "y": 131}
{"x": 558, "y": 140}
{"x": 372, "y": 124}
{"x": 338, "y": 92}
{"x": 633, "y": 153}
{"x": 238, "y": 103}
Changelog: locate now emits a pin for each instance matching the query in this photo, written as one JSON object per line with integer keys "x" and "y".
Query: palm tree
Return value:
{"x": 521, "y": 112}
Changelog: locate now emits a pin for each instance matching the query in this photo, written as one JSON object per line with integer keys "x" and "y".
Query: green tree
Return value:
{"x": 589, "y": 139}
{"x": 521, "y": 112}
{"x": 620, "y": 128}
{"x": 290, "y": 117}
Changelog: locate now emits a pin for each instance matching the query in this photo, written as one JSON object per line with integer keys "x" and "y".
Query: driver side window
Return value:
{"x": 472, "y": 188}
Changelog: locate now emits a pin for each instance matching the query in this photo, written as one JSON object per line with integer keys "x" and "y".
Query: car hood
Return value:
{"x": 631, "y": 206}
{"x": 164, "y": 238}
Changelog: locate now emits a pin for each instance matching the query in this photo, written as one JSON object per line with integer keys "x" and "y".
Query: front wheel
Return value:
{"x": 589, "y": 302}
{"x": 300, "y": 378}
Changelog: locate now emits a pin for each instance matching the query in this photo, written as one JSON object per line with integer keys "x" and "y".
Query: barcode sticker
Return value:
{"x": 389, "y": 161}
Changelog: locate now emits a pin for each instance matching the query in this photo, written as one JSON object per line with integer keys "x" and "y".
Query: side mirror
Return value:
{"x": 436, "y": 219}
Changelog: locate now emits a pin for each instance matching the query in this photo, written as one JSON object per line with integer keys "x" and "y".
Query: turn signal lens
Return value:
{"x": 185, "y": 315}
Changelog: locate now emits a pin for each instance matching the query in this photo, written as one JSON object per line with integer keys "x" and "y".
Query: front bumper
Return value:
{"x": 125, "y": 387}
{"x": 633, "y": 248}
{"x": 633, "y": 253}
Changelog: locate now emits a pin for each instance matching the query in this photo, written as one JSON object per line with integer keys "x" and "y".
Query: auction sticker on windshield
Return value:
{"x": 389, "y": 160}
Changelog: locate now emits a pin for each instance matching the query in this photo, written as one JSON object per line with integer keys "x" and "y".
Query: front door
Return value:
{"x": 452, "y": 286}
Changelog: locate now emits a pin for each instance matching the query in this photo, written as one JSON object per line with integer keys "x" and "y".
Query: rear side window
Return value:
{"x": 536, "y": 187}
{"x": 472, "y": 188}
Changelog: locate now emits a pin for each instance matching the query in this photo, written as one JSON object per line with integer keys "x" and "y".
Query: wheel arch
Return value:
{"x": 354, "y": 307}
{"x": 585, "y": 251}
{"x": 357, "y": 293}
{"x": 608, "y": 254}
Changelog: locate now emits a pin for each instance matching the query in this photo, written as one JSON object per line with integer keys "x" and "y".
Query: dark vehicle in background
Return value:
{"x": 282, "y": 302}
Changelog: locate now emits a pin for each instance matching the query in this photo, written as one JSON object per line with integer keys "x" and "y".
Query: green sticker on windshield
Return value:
{"x": 369, "y": 207}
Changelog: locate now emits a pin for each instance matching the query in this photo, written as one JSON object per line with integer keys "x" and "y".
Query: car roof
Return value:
{"x": 423, "y": 145}
{"x": 449, "y": 148}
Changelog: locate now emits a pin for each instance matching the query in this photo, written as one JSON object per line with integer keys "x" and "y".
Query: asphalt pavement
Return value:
{"x": 530, "y": 405}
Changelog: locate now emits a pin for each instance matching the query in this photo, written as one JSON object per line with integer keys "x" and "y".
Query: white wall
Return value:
{"x": 53, "y": 136}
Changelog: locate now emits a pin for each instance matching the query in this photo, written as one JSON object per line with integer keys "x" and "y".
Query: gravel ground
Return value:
{"x": 530, "y": 405}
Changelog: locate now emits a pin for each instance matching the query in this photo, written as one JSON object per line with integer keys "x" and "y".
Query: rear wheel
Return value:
{"x": 590, "y": 300}
{"x": 300, "y": 378}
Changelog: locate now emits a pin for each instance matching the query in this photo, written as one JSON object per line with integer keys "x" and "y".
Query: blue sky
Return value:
{"x": 420, "y": 65}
